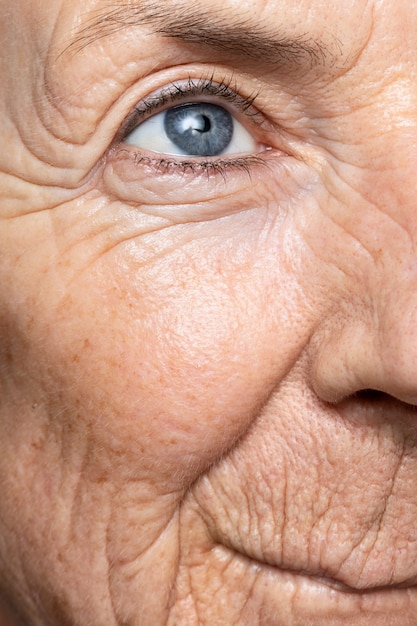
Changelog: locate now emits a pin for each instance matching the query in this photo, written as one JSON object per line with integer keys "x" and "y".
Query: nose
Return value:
{"x": 369, "y": 348}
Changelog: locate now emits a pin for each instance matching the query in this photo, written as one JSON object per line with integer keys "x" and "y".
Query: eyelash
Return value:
{"x": 180, "y": 92}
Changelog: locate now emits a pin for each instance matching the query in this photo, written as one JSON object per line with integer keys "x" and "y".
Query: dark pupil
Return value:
{"x": 202, "y": 129}
{"x": 206, "y": 125}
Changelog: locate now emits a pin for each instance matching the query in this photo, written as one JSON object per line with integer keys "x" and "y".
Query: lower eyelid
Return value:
{"x": 186, "y": 192}
{"x": 192, "y": 191}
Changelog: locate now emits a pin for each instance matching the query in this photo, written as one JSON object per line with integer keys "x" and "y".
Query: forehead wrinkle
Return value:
{"x": 219, "y": 29}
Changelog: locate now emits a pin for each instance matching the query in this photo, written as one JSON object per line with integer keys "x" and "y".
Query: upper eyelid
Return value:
{"x": 180, "y": 91}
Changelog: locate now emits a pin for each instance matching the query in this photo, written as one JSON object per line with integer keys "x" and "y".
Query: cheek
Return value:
{"x": 169, "y": 361}
{"x": 162, "y": 347}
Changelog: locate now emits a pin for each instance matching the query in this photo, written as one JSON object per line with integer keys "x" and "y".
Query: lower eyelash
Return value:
{"x": 214, "y": 167}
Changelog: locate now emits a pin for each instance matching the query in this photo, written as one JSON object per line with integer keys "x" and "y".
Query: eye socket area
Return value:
{"x": 193, "y": 129}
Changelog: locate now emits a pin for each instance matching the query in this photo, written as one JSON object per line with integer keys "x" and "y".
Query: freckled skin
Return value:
{"x": 208, "y": 382}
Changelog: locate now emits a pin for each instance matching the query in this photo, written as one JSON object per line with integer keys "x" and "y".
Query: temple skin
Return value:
{"x": 208, "y": 372}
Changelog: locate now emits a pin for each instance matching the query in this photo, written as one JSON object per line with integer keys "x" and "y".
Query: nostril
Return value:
{"x": 369, "y": 395}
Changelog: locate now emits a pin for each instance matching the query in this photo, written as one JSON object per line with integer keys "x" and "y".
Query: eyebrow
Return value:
{"x": 217, "y": 29}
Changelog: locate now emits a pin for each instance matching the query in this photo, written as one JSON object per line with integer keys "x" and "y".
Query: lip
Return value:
{"x": 324, "y": 577}
{"x": 298, "y": 597}
{"x": 324, "y": 600}
{"x": 338, "y": 585}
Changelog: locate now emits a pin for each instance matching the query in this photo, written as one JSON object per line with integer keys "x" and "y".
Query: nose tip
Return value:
{"x": 368, "y": 358}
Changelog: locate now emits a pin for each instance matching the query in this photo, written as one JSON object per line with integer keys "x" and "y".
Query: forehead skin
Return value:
{"x": 187, "y": 432}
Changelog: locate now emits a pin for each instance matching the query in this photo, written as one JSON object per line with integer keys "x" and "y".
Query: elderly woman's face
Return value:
{"x": 208, "y": 333}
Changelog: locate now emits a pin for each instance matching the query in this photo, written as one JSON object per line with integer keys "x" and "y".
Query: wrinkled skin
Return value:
{"x": 208, "y": 380}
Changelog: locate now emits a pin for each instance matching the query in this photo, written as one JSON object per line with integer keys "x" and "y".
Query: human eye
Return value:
{"x": 195, "y": 129}
{"x": 198, "y": 141}
{"x": 196, "y": 124}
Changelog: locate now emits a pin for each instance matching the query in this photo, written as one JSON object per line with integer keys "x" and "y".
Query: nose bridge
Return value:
{"x": 372, "y": 343}
{"x": 369, "y": 341}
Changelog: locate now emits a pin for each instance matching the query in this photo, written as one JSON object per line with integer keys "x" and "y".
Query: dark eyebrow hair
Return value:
{"x": 218, "y": 29}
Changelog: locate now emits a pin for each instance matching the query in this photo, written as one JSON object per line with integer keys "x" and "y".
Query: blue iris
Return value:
{"x": 200, "y": 129}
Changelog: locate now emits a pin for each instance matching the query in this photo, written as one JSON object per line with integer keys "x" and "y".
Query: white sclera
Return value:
{"x": 150, "y": 135}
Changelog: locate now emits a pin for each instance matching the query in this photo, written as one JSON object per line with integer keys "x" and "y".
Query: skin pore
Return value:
{"x": 208, "y": 364}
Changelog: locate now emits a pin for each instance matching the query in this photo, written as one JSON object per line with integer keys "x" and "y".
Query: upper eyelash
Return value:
{"x": 178, "y": 91}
